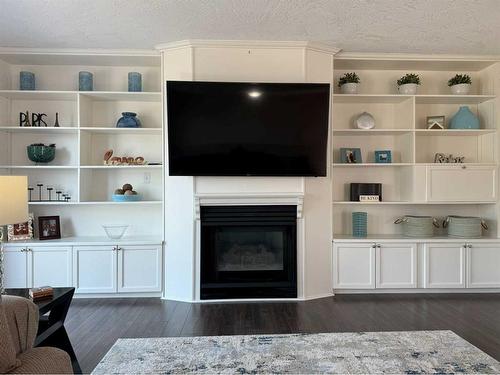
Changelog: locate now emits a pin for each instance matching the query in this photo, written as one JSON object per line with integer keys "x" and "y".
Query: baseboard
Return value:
{"x": 415, "y": 291}
{"x": 117, "y": 295}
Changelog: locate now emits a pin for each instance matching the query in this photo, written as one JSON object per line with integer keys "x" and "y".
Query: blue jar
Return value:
{"x": 464, "y": 119}
{"x": 128, "y": 120}
{"x": 359, "y": 224}
{"x": 26, "y": 81}
{"x": 85, "y": 81}
{"x": 134, "y": 82}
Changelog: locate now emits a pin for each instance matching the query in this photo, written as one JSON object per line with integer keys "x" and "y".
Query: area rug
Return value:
{"x": 341, "y": 353}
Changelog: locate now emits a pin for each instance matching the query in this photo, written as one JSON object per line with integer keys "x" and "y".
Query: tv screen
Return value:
{"x": 247, "y": 129}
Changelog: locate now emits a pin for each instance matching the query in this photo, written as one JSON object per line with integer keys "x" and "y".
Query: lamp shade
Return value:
{"x": 13, "y": 199}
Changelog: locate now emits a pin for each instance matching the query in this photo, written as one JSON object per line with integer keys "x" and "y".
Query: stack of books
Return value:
{"x": 42, "y": 292}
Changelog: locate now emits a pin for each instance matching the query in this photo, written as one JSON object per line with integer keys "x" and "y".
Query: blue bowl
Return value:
{"x": 126, "y": 198}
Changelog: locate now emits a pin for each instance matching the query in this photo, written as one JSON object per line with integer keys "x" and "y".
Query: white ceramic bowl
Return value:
{"x": 115, "y": 232}
{"x": 460, "y": 89}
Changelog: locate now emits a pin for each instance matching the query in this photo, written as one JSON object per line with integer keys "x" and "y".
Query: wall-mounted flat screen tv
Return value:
{"x": 247, "y": 129}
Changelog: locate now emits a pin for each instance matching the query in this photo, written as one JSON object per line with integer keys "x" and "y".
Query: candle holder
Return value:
{"x": 58, "y": 192}
{"x": 30, "y": 190}
{"x": 49, "y": 191}
{"x": 39, "y": 191}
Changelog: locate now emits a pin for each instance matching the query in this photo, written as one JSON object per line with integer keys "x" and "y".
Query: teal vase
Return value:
{"x": 359, "y": 224}
{"x": 464, "y": 119}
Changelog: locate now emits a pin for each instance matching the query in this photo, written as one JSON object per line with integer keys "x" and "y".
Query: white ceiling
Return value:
{"x": 414, "y": 26}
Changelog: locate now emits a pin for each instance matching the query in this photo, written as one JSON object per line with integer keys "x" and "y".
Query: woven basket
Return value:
{"x": 417, "y": 226}
{"x": 465, "y": 226}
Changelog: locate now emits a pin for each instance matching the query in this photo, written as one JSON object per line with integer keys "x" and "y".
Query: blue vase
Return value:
{"x": 26, "y": 81}
{"x": 85, "y": 81}
{"x": 464, "y": 119}
{"x": 129, "y": 120}
{"x": 359, "y": 224}
{"x": 134, "y": 82}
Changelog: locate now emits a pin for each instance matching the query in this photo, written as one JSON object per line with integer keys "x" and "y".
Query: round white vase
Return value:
{"x": 349, "y": 88}
{"x": 408, "y": 89}
{"x": 460, "y": 89}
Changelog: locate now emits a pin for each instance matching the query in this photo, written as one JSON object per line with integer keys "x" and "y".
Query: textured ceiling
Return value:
{"x": 420, "y": 26}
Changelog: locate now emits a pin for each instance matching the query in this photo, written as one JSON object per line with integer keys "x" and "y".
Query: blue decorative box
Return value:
{"x": 134, "y": 82}
{"x": 26, "y": 80}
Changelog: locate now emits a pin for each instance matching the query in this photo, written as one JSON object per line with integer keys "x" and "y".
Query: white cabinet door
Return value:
{"x": 354, "y": 266}
{"x": 444, "y": 265}
{"x": 461, "y": 184}
{"x": 50, "y": 266}
{"x": 483, "y": 265}
{"x": 139, "y": 268}
{"x": 15, "y": 267}
{"x": 95, "y": 269}
{"x": 396, "y": 265}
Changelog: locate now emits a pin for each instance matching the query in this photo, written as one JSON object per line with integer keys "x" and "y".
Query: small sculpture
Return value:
{"x": 109, "y": 159}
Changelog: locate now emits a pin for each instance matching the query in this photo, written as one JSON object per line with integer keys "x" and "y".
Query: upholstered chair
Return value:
{"x": 18, "y": 329}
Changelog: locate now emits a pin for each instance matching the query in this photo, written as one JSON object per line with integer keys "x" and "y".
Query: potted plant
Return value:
{"x": 460, "y": 84}
{"x": 407, "y": 85}
{"x": 348, "y": 83}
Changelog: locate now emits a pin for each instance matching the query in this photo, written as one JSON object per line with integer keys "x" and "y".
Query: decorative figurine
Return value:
{"x": 56, "y": 124}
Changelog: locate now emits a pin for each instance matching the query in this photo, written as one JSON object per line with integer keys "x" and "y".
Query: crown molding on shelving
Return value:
{"x": 343, "y": 55}
{"x": 78, "y": 51}
{"x": 313, "y": 46}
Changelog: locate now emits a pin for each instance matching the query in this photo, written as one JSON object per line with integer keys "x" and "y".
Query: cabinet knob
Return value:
{"x": 118, "y": 248}
{"x": 23, "y": 250}
{"x": 464, "y": 166}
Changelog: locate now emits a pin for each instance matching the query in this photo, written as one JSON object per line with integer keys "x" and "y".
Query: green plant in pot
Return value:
{"x": 40, "y": 153}
{"x": 348, "y": 83}
{"x": 407, "y": 85}
{"x": 460, "y": 84}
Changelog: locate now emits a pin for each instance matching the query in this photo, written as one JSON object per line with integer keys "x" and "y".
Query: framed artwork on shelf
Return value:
{"x": 21, "y": 231}
{"x": 350, "y": 155}
{"x": 49, "y": 228}
{"x": 436, "y": 122}
{"x": 383, "y": 156}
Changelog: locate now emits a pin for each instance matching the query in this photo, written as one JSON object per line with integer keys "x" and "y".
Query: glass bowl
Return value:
{"x": 115, "y": 232}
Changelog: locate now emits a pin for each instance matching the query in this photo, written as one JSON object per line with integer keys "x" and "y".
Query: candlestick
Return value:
{"x": 39, "y": 191}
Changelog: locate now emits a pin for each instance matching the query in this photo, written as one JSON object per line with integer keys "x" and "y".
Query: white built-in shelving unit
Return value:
{"x": 413, "y": 183}
{"x": 87, "y": 129}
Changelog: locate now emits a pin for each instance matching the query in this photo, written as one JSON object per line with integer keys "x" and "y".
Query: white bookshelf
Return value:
{"x": 409, "y": 183}
{"x": 87, "y": 129}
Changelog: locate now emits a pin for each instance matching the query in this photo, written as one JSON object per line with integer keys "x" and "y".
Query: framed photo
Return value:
{"x": 21, "y": 231}
{"x": 383, "y": 156}
{"x": 436, "y": 122}
{"x": 350, "y": 155}
{"x": 49, "y": 228}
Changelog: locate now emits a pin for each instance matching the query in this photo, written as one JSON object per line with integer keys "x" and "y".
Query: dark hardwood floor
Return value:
{"x": 95, "y": 324}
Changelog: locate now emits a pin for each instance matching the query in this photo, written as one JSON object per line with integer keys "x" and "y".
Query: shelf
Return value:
{"x": 370, "y": 132}
{"x": 123, "y": 96}
{"x": 456, "y": 164}
{"x": 39, "y": 95}
{"x": 452, "y": 99}
{"x": 399, "y": 237}
{"x": 409, "y": 203}
{"x": 53, "y": 203}
{"x": 349, "y": 165}
{"x": 37, "y": 167}
{"x": 95, "y": 240}
{"x": 37, "y": 130}
{"x": 452, "y": 132}
{"x": 122, "y": 166}
{"x": 137, "y": 203}
{"x": 372, "y": 98}
{"x": 109, "y": 130}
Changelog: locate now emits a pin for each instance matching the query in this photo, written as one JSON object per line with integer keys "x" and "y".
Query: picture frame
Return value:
{"x": 436, "y": 122}
{"x": 21, "y": 231}
{"x": 350, "y": 155}
{"x": 49, "y": 228}
{"x": 383, "y": 156}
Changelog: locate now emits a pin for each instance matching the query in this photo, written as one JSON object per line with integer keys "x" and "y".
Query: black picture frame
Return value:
{"x": 49, "y": 228}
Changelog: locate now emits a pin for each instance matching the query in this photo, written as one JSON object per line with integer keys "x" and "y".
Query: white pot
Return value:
{"x": 349, "y": 88}
{"x": 408, "y": 89}
{"x": 460, "y": 89}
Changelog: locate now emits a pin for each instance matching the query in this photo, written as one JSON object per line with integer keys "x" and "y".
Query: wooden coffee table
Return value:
{"x": 53, "y": 311}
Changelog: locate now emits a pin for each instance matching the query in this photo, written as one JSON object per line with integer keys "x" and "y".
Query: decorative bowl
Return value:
{"x": 126, "y": 198}
{"x": 115, "y": 232}
{"x": 41, "y": 153}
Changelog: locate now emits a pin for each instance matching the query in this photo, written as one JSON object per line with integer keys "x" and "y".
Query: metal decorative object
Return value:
{"x": 448, "y": 159}
{"x": 37, "y": 119}
{"x": 109, "y": 159}
{"x": 56, "y": 123}
{"x": 24, "y": 119}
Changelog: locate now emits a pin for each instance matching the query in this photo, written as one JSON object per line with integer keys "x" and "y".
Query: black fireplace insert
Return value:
{"x": 248, "y": 252}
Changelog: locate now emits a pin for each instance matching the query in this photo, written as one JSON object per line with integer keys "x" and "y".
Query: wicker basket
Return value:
{"x": 417, "y": 226}
{"x": 465, "y": 226}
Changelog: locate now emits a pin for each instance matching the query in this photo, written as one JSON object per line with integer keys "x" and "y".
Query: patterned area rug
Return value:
{"x": 354, "y": 353}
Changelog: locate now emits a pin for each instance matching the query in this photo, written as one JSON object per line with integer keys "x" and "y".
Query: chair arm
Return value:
{"x": 22, "y": 319}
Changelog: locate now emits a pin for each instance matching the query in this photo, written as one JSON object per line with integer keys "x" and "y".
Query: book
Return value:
{"x": 41, "y": 292}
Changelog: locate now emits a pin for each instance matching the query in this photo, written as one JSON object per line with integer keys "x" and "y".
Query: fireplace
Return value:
{"x": 248, "y": 252}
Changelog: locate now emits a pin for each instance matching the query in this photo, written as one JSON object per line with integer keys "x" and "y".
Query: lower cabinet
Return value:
{"x": 483, "y": 265}
{"x": 444, "y": 265}
{"x": 396, "y": 265}
{"x": 111, "y": 269}
{"x": 354, "y": 266}
{"x": 35, "y": 266}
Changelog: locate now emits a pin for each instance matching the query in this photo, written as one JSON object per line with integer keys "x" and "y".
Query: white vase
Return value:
{"x": 460, "y": 89}
{"x": 349, "y": 88}
{"x": 408, "y": 89}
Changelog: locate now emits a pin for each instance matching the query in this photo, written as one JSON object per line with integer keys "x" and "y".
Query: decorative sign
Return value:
{"x": 369, "y": 198}
{"x": 450, "y": 159}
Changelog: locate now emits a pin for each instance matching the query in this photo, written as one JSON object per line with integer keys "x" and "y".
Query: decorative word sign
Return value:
{"x": 442, "y": 158}
{"x": 36, "y": 119}
{"x": 369, "y": 198}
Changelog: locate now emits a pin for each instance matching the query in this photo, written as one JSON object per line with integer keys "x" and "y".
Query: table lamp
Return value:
{"x": 13, "y": 207}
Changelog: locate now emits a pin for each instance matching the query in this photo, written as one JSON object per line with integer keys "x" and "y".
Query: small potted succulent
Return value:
{"x": 460, "y": 84}
{"x": 348, "y": 83}
{"x": 407, "y": 85}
